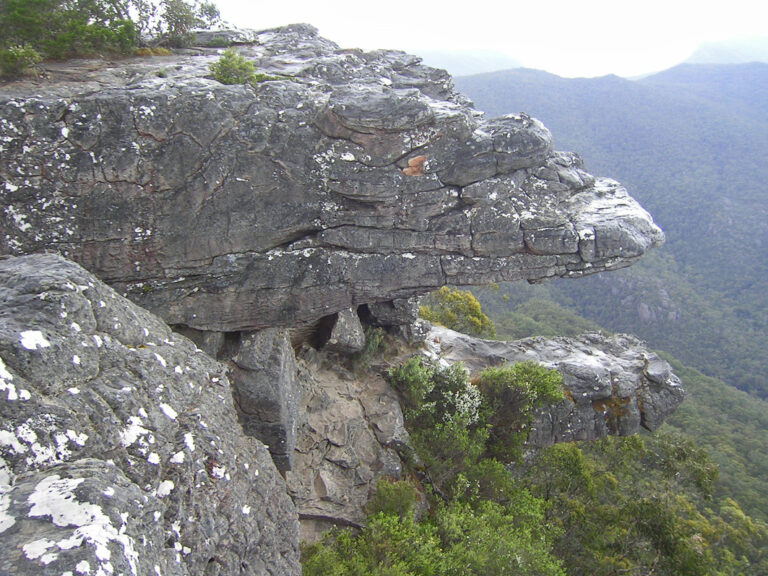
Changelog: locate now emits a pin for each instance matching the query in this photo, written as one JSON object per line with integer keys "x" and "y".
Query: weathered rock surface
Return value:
{"x": 350, "y": 431}
{"x": 361, "y": 177}
{"x": 614, "y": 385}
{"x": 266, "y": 391}
{"x": 120, "y": 449}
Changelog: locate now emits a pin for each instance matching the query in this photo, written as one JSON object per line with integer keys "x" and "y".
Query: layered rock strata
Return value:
{"x": 120, "y": 450}
{"x": 354, "y": 178}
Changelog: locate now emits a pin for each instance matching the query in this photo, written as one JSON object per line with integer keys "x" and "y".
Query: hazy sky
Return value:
{"x": 569, "y": 38}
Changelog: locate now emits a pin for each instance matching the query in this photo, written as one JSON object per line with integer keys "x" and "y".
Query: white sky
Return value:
{"x": 568, "y": 38}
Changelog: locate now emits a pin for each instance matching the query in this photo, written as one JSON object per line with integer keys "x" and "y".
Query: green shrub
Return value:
{"x": 95, "y": 27}
{"x": 510, "y": 396}
{"x": 218, "y": 43}
{"x": 393, "y": 497}
{"x": 458, "y": 310}
{"x": 18, "y": 60}
{"x": 413, "y": 380}
{"x": 233, "y": 68}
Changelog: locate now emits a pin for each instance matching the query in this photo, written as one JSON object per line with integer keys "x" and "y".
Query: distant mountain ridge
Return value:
{"x": 463, "y": 62}
{"x": 690, "y": 143}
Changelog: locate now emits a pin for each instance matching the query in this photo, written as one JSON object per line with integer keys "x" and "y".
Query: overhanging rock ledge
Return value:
{"x": 356, "y": 178}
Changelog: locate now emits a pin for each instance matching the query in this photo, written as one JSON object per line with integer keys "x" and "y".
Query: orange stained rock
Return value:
{"x": 415, "y": 166}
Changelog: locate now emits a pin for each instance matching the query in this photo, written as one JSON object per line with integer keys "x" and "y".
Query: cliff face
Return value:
{"x": 260, "y": 222}
{"x": 359, "y": 178}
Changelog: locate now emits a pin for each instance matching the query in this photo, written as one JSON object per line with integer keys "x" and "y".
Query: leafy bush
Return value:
{"x": 460, "y": 428}
{"x": 510, "y": 396}
{"x": 435, "y": 394}
{"x": 233, "y": 68}
{"x": 393, "y": 497}
{"x": 413, "y": 380}
{"x": 18, "y": 60}
{"x": 64, "y": 29}
{"x": 95, "y": 27}
{"x": 460, "y": 540}
{"x": 458, "y": 310}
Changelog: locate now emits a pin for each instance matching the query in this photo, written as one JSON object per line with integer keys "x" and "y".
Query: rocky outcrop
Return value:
{"x": 120, "y": 449}
{"x": 260, "y": 220}
{"x": 355, "y": 178}
{"x": 613, "y": 385}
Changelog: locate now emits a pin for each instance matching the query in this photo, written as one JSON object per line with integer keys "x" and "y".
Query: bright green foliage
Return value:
{"x": 233, "y": 68}
{"x": 459, "y": 540}
{"x": 433, "y": 394}
{"x": 180, "y": 17}
{"x": 387, "y": 546}
{"x": 510, "y": 396}
{"x": 458, "y": 310}
{"x": 462, "y": 430}
{"x": 18, "y": 60}
{"x": 413, "y": 380}
{"x": 492, "y": 539}
{"x": 393, "y": 498}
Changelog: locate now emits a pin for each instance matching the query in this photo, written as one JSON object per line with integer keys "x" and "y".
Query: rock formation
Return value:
{"x": 359, "y": 177}
{"x": 613, "y": 385}
{"x": 120, "y": 451}
{"x": 259, "y": 221}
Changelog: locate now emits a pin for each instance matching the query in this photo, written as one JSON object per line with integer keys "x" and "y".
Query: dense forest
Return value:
{"x": 689, "y": 144}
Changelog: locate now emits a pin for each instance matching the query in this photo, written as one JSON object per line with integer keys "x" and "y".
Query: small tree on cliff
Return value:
{"x": 458, "y": 310}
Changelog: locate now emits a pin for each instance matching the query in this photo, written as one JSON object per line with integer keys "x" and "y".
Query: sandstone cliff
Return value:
{"x": 261, "y": 221}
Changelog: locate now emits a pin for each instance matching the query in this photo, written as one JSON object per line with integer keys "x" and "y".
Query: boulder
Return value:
{"x": 266, "y": 391}
{"x": 120, "y": 449}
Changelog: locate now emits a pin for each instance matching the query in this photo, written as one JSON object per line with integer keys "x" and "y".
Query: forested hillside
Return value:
{"x": 690, "y": 144}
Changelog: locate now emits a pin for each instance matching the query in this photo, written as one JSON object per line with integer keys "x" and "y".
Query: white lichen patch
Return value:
{"x": 6, "y": 479}
{"x": 19, "y": 219}
{"x": 39, "y": 549}
{"x": 160, "y": 359}
{"x": 133, "y": 431}
{"x": 189, "y": 440}
{"x": 33, "y": 339}
{"x": 168, "y": 411}
{"x": 54, "y": 497}
{"x": 165, "y": 488}
{"x": 6, "y": 385}
{"x": 24, "y": 439}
